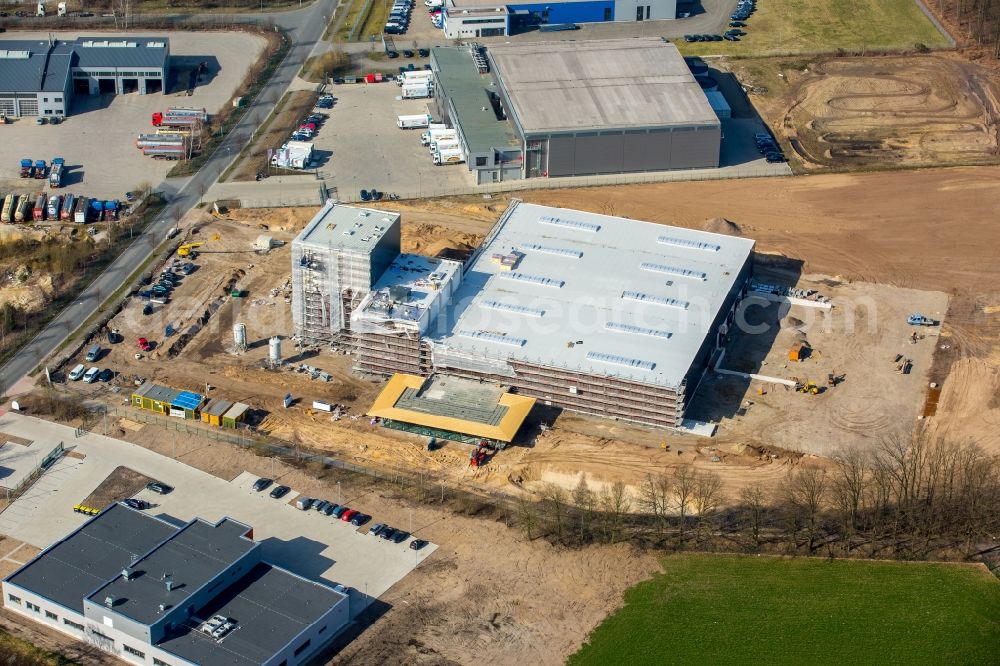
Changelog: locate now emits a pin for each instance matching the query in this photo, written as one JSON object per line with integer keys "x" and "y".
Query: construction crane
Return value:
{"x": 188, "y": 249}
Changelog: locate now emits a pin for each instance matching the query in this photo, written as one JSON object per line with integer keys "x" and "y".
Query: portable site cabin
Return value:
{"x": 798, "y": 352}
{"x": 154, "y": 398}
{"x": 236, "y": 415}
{"x": 185, "y": 405}
{"x": 216, "y": 407}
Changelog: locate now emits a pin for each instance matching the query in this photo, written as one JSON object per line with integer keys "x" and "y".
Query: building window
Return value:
{"x": 159, "y": 662}
{"x": 33, "y": 607}
{"x": 57, "y": 99}
{"x": 481, "y": 161}
{"x": 51, "y": 615}
{"x": 102, "y": 636}
{"x": 45, "y": 99}
{"x": 70, "y": 623}
{"x": 132, "y": 650}
{"x": 607, "y": 13}
{"x": 302, "y": 648}
{"x": 13, "y": 599}
{"x": 647, "y": 11}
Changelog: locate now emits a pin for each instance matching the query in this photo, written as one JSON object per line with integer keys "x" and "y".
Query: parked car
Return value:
{"x": 360, "y": 519}
{"x": 187, "y": 268}
{"x": 91, "y": 375}
{"x": 730, "y": 38}
{"x": 387, "y": 532}
{"x": 262, "y": 483}
{"x": 145, "y": 345}
{"x": 330, "y": 508}
{"x": 159, "y": 488}
{"x": 737, "y": 24}
{"x": 376, "y": 528}
{"x": 347, "y": 515}
{"x": 279, "y": 492}
{"x": 319, "y": 505}
{"x": 77, "y": 373}
{"x": 339, "y": 511}
{"x": 106, "y": 375}
{"x": 400, "y": 536}
{"x": 303, "y": 503}
{"x": 417, "y": 544}
{"x": 134, "y": 503}
{"x": 424, "y": 53}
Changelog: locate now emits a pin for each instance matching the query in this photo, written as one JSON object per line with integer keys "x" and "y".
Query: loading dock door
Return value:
{"x": 7, "y": 106}
{"x": 154, "y": 86}
{"x": 106, "y": 86}
{"x": 81, "y": 86}
{"x": 29, "y": 107}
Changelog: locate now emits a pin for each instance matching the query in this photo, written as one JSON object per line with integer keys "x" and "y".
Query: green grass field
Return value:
{"x": 707, "y": 609}
{"x": 823, "y": 26}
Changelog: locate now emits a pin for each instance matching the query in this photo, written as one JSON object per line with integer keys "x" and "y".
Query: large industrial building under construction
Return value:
{"x": 592, "y": 313}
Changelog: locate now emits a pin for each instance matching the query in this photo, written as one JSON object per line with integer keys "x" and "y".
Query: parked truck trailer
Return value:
{"x": 82, "y": 212}
{"x": 7, "y": 215}
{"x": 413, "y": 122}
{"x": 56, "y": 172}
{"x": 67, "y": 208}
{"x": 23, "y": 210}
{"x": 38, "y": 212}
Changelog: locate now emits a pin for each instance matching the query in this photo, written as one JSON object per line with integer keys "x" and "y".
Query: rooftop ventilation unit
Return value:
{"x": 655, "y": 300}
{"x": 533, "y": 279}
{"x": 510, "y": 307}
{"x": 498, "y": 338}
{"x": 683, "y": 242}
{"x": 570, "y": 224}
{"x": 557, "y": 251}
{"x": 619, "y": 327}
{"x": 625, "y": 361}
{"x": 673, "y": 270}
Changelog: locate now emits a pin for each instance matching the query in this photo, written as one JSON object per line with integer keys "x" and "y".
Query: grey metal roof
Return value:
{"x": 217, "y": 407}
{"x": 599, "y": 84}
{"x": 639, "y": 296}
{"x": 72, "y": 568}
{"x": 459, "y": 80}
{"x": 337, "y": 227}
{"x": 144, "y": 52}
{"x": 271, "y": 607}
{"x": 34, "y": 66}
{"x": 156, "y": 392}
{"x": 192, "y": 556}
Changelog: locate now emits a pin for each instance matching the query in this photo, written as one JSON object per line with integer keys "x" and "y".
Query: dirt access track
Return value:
{"x": 902, "y": 111}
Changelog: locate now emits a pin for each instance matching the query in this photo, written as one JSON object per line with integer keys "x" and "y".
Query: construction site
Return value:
{"x": 845, "y": 385}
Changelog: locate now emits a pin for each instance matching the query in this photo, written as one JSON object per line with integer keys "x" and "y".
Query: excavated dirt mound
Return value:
{"x": 720, "y": 225}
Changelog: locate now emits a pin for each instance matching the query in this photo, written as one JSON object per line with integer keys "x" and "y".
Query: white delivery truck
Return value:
{"x": 441, "y": 135}
{"x": 416, "y": 90}
{"x": 417, "y": 76}
{"x": 293, "y": 155}
{"x": 452, "y": 156}
{"x": 444, "y": 144}
{"x": 433, "y": 132}
{"x": 413, "y": 122}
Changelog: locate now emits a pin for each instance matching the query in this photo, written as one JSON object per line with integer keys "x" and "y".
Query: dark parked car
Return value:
{"x": 391, "y": 54}
{"x": 320, "y": 505}
{"x": 376, "y": 528}
{"x": 730, "y": 38}
{"x": 689, "y": 38}
{"x": 262, "y": 483}
{"x": 340, "y": 510}
{"x": 417, "y": 544}
{"x": 407, "y": 53}
{"x": 159, "y": 488}
{"x": 360, "y": 519}
{"x": 387, "y": 532}
{"x": 737, "y": 24}
{"x": 106, "y": 375}
{"x": 134, "y": 503}
{"x": 280, "y": 491}
{"x": 329, "y": 509}
{"x": 400, "y": 536}
{"x": 424, "y": 52}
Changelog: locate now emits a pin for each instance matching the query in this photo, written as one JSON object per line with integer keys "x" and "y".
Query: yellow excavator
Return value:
{"x": 188, "y": 249}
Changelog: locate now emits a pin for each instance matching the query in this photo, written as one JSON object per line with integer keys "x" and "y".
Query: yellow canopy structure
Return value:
{"x": 452, "y": 405}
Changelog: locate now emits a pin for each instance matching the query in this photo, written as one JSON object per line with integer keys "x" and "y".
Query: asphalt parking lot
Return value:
{"x": 305, "y": 542}
{"x": 97, "y": 138}
{"x": 366, "y": 149}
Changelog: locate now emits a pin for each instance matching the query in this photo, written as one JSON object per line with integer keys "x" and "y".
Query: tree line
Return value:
{"x": 906, "y": 498}
{"x": 979, "y": 20}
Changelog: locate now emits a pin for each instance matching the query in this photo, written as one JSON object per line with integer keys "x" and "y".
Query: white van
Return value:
{"x": 76, "y": 373}
{"x": 91, "y": 375}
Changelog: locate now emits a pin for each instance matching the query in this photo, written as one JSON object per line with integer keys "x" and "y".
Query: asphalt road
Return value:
{"x": 305, "y": 27}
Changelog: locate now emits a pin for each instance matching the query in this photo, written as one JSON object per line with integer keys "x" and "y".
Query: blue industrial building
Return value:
{"x": 486, "y": 18}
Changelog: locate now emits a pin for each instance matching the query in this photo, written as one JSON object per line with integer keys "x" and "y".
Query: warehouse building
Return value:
{"x": 592, "y": 313}
{"x": 486, "y": 18}
{"x": 549, "y": 109}
{"x": 154, "y": 593}
{"x": 40, "y": 78}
